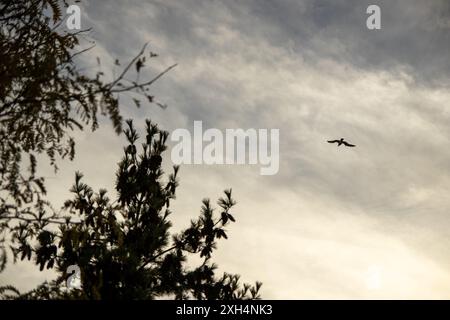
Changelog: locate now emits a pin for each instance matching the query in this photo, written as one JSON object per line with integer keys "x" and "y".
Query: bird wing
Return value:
{"x": 348, "y": 144}
{"x": 333, "y": 141}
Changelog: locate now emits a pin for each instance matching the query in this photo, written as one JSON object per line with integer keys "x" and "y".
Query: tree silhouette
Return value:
{"x": 44, "y": 98}
{"x": 124, "y": 248}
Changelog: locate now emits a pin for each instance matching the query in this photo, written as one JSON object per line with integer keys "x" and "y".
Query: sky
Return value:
{"x": 369, "y": 222}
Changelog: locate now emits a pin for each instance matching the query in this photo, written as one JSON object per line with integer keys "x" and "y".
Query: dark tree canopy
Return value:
{"x": 44, "y": 98}
{"x": 124, "y": 247}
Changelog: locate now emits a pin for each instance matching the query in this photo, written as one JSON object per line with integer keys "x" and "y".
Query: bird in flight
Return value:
{"x": 341, "y": 141}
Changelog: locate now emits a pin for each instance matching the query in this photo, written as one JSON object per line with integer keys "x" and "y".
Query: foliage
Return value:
{"x": 123, "y": 247}
{"x": 44, "y": 98}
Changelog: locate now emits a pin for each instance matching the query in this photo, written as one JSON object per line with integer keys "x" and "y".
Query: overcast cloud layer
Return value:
{"x": 312, "y": 69}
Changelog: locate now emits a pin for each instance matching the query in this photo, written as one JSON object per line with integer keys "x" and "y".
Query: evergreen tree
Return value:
{"x": 124, "y": 247}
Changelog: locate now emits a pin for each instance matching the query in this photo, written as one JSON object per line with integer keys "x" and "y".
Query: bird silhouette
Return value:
{"x": 341, "y": 141}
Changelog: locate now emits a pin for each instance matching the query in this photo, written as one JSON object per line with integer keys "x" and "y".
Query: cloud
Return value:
{"x": 312, "y": 70}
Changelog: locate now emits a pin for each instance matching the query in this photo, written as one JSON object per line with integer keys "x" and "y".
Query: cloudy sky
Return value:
{"x": 364, "y": 222}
